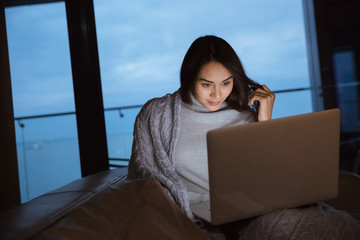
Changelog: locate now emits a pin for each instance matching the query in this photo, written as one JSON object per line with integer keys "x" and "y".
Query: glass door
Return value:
{"x": 43, "y": 97}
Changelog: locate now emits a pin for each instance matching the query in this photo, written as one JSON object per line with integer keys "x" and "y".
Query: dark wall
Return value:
{"x": 338, "y": 29}
{"x": 9, "y": 179}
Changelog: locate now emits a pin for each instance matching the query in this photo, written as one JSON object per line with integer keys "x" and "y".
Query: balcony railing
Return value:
{"x": 122, "y": 161}
{"x": 21, "y": 123}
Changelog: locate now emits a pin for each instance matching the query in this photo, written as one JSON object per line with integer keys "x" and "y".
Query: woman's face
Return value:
{"x": 213, "y": 85}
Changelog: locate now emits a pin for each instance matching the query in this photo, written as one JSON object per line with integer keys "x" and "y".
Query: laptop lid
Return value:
{"x": 281, "y": 163}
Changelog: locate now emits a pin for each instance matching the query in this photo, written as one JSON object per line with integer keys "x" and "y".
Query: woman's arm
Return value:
{"x": 266, "y": 102}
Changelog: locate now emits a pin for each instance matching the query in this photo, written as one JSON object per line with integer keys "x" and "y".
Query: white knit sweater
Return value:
{"x": 191, "y": 150}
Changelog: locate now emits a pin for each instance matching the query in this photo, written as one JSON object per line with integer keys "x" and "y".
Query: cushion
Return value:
{"x": 129, "y": 210}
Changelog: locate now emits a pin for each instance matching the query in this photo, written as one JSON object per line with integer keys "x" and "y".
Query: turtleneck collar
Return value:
{"x": 198, "y": 107}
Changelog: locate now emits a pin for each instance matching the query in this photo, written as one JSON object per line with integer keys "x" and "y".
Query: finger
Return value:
{"x": 261, "y": 93}
{"x": 264, "y": 91}
{"x": 265, "y": 88}
{"x": 251, "y": 99}
{"x": 255, "y": 96}
{"x": 260, "y": 96}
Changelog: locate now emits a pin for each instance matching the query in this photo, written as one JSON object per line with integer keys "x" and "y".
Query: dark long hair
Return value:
{"x": 211, "y": 48}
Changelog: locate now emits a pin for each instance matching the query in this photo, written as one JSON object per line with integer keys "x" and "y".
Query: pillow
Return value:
{"x": 138, "y": 209}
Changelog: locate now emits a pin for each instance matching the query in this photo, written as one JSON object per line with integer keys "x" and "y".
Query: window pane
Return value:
{"x": 347, "y": 90}
{"x": 292, "y": 103}
{"x": 142, "y": 44}
{"x": 40, "y": 67}
{"x": 120, "y": 125}
{"x": 48, "y": 154}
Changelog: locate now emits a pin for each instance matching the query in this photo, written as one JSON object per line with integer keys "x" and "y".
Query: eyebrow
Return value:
{"x": 203, "y": 79}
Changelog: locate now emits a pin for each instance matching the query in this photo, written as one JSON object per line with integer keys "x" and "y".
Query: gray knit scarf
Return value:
{"x": 156, "y": 132}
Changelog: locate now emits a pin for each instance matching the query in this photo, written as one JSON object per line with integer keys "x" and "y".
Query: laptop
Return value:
{"x": 260, "y": 167}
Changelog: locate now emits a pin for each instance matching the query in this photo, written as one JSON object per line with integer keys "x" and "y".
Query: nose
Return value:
{"x": 216, "y": 93}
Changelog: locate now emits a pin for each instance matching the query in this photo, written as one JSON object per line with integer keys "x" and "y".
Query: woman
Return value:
{"x": 170, "y": 132}
{"x": 215, "y": 92}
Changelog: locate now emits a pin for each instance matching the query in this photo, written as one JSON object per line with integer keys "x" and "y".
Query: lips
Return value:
{"x": 214, "y": 103}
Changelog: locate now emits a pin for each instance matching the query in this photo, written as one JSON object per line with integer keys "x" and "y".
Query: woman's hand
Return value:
{"x": 266, "y": 102}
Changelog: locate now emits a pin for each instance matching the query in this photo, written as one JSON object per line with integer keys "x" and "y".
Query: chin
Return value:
{"x": 213, "y": 108}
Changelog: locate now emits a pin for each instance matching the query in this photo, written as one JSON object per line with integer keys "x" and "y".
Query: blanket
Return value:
{"x": 313, "y": 221}
{"x": 156, "y": 132}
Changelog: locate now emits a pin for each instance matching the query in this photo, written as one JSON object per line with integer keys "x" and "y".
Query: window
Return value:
{"x": 48, "y": 155}
{"x": 347, "y": 90}
{"x": 142, "y": 44}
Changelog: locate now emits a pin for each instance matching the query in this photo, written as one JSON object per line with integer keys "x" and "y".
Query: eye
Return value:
{"x": 226, "y": 83}
{"x": 205, "y": 84}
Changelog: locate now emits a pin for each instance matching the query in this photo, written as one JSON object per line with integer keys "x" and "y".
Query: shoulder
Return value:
{"x": 160, "y": 104}
{"x": 166, "y": 100}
